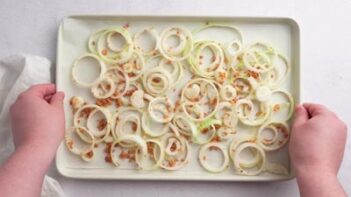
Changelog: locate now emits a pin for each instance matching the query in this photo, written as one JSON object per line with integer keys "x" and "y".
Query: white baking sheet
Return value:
{"x": 282, "y": 33}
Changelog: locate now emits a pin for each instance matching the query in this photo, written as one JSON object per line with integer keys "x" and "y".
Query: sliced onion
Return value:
{"x": 259, "y": 57}
{"x": 100, "y": 135}
{"x": 162, "y": 106}
{"x": 263, "y": 93}
{"x": 276, "y": 168}
{"x": 111, "y": 54}
{"x": 207, "y": 97}
{"x": 242, "y": 167}
{"x": 140, "y": 159}
{"x": 280, "y": 136}
{"x": 228, "y": 92}
{"x": 136, "y": 140}
{"x": 205, "y": 165}
{"x": 275, "y": 78}
{"x": 290, "y": 104}
{"x": 157, "y": 81}
{"x": 176, "y": 72}
{"x": 151, "y": 31}
{"x": 104, "y": 89}
{"x": 226, "y": 113}
{"x": 210, "y": 125}
{"x": 195, "y": 60}
{"x": 137, "y": 99}
{"x": 146, "y": 122}
{"x": 180, "y": 52}
{"x": 183, "y": 125}
{"x": 246, "y": 114}
{"x": 123, "y": 115}
{"x": 71, "y": 144}
{"x": 99, "y": 63}
{"x": 179, "y": 156}
{"x": 120, "y": 79}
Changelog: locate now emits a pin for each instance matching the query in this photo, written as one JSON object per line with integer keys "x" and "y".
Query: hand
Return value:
{"x": 317, "y": 140}
{"x": 37, "y": 118}
{"x": 316, "y": 148}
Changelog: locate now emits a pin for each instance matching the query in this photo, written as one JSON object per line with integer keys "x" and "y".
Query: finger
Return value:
{"x": 48, "y": 97}
{"x": 42, "y": 90}
{"x": 57, "y": 99}
{"x": 315, "y": 109}
{"x": 301, "y": 115}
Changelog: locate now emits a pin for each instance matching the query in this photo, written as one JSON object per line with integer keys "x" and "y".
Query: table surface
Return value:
{"x": 31, "y": 26}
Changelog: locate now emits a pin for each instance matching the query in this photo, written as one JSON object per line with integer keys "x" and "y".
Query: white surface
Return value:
{"x": 30, "y": 26}
{"x": 282, "y": 34}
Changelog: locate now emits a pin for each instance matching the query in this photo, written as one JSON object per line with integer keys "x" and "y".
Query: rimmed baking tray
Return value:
{"x": 282, "y": 33}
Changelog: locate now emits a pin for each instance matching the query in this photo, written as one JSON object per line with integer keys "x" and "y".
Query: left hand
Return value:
{"x": 37, "y": 118}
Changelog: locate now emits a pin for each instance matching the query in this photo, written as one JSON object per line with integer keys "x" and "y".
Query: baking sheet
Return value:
{"x": 282, "y": 33}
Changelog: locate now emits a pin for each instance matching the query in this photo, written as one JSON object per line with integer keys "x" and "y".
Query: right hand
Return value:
{"x": 317, "y": 140}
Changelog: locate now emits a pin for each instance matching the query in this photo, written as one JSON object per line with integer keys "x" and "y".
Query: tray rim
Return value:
{"x": 135, "y": 177}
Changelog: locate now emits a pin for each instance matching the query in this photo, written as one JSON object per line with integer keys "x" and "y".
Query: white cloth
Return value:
{"x": 17, "y": 73}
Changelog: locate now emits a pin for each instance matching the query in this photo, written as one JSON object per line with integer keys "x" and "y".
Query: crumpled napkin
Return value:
{"x": 17, "y": 73}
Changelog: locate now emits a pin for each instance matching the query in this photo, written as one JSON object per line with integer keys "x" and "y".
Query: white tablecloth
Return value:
{"x": 31, "y": 26}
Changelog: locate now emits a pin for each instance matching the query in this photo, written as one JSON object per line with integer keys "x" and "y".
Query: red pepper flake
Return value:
{"x": 276, "y": 108}
{"x": 108, "y": 147}
{"x": 216, "y": 139}
{"x": 156, "y": 80}
{"x": 129, "y": 92}
{"x": 171, "y": 163}
{"x": 212, "y": 148}
{"x": 108, "y": 86}
{"x": 176, "y": 105}
{"x": 234, "y": 100}
{"x": 70, "y": 144}
{"x": 134, "y": 126}
{"x": 131, "y": 155}
{"x": 101, "y": 124}
{"x": 103, "y": 102}
{"x": 259, "y": 113}
{"x": 150, "y": 148}
{"x": 213, "y": 102}
{"x": 204, "y": 131}
{"x": 173, "y": 147}
{"x": 85, "y": 112}
{"x": 123, "y": 155}
{"x": 118, "y": 102}
{"x": 89, "y": 154}
{"x": 108, "y": 159}
{"x": 253, "y": 74}
{"x": 104, "y": 52}
{"x": 131, "y": 74}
